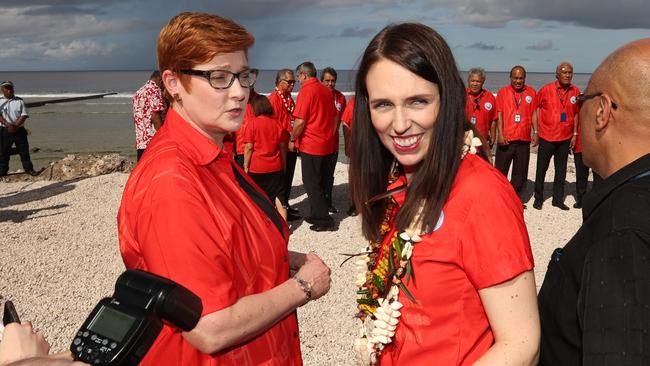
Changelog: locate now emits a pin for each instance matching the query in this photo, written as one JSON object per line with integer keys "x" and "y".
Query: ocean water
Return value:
{"x": 106, "y": 125}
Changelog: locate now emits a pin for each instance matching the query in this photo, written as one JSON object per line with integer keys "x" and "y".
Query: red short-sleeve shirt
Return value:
{"x": 339, "y": 104}
{"x": 248, "y": 115}
{"x": 184, "y": 216}
{"x": 481, "y": 110}
{"x": 511, "y": 103}
{"x": 468, "y": 251}
{"x": 266, "y": 134}
{"x": 348, "y": 114}
{"x": 315, "y": 106}
{"x": 557, "y": 109}
{"x": 283, "y": 107}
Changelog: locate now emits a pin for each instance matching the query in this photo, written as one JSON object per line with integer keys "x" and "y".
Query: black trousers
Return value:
{"x": 289, "y": 170}
{"x": 559, "y": 150}
{"x": 314, "y": 170}
{"x": 239, "y": 159}
{"x": 6, "y": 142}
{"x": 329, "y": 178}
{"x": 517, "y": 153}
{"x": 582, "y": 176}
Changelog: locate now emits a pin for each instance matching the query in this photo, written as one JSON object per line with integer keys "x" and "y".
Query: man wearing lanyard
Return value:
{"x": 480, "y": 106}
{"x": 283, "y": 106}
{"x": 517, "y": 113}
{"x": 595, "y": 297}
{"x": 557, "y": 132}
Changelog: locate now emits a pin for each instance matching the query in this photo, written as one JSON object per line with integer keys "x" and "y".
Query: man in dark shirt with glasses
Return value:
{"x": 595, "y": 300}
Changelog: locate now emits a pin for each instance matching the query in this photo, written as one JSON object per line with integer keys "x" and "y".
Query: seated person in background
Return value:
{"x": 22, "y": 346}
{"x": 265, "y": 151}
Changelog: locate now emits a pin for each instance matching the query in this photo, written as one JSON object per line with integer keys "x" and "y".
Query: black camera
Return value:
{"x": 121, "y": 329}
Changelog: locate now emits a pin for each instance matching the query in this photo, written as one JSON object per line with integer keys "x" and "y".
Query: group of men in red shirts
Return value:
{"x": 519, "y": 117}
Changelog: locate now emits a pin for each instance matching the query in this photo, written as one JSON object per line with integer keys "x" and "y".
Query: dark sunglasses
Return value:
{"x": 582, "y": 97}
{"x": 290, "y": 82}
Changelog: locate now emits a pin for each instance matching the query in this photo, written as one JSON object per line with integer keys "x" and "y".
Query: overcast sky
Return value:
{"x": 494, "y": 34}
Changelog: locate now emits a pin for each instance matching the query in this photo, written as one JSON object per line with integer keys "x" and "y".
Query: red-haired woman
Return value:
{"x": 189, "y": 213}
{"x": 264, "y": 151}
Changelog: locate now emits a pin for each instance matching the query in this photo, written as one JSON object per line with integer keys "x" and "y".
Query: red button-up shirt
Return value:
{"x": 511, "y": 103}
{"x": 315, "y": 106}
{"x": 470, "y": 249}
{"x": 553, "y": 101}
{"x": 481, "y": 110}
{"x": 266, "y": 134}
{"x": 184, "y": 216}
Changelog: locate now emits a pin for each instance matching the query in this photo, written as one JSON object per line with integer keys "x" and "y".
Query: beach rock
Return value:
{"x": 78, "y": 166}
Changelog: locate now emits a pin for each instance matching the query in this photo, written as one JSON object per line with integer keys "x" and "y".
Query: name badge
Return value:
{"x": 473, "y": 120}
{"x": 517, "y": 117}
{"x": 292, "y": 123}
{"x": 563, "y": 117}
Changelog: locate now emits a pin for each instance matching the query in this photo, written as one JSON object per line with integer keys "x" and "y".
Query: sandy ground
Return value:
{"x": 59, "y": 255}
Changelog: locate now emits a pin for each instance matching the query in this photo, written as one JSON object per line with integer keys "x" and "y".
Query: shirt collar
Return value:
{"x": 198, "y": 147}
{"x": 595, "y": 197}
{"x": 309, "y": 81}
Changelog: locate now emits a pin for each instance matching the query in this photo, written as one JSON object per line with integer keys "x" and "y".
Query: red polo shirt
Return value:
{"x": 315, "y": 106}
{"x": 557, "y": 108}
{"x": 481, "y": 110}
{"x": 511, "y": 103}
{"x": 348, "y": 114}
{"x": 578, "y": 147}
{"x": 282, "y": 110}
{"x": 266, "y": 134}
{"x": 467, "y": 251}
{"x": 184, "y": 216}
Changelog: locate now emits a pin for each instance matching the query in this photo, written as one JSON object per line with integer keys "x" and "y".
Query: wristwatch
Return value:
{"x": 304, "y": 286}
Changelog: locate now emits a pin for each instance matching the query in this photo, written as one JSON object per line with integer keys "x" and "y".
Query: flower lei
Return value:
{"x": 383, "y": 272}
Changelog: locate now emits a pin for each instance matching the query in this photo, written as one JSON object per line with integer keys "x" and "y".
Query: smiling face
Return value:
{"x": 403, "y": 109}
{"x": 475, "y": 83}
{"x": 213, "y": 112}
{"x": 564, "y": 74}
{"x": 518, "y": 79}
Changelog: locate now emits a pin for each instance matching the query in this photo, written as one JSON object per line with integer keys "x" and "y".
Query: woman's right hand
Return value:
{"x": 317, "y": 273}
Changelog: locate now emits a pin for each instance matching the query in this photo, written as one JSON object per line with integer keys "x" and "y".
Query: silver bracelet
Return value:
{"x": 304, "y": 286}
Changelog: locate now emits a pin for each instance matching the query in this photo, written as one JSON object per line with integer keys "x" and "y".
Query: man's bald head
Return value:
{"x": 625, "y": 75}
{"x": 615, "y": 120}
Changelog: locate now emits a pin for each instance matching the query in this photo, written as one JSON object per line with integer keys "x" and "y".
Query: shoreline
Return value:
{"x": 60, "y": 254}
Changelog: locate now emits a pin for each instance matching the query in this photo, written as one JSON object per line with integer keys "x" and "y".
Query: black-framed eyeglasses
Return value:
{"x": 290, "y": 82}
{"x": 582, "y": 97}
{"x": 223, "y": 79}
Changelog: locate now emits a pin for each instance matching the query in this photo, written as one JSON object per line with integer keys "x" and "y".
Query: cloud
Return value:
{"x": 485, "y": 47}
{"x": 281, "y": 37}
{"x": 589, "y": 13}
{"x": 357, "y": 32}
{"x": 543, "y": 45}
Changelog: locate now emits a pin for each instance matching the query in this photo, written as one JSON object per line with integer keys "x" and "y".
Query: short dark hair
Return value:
{"x": 422, "y": 51}
{"x": 328, "y": 70}
{"x": 517, "y": 67}
{"x": 281, "y": 74}
{"x": 155, "y": 74}
{"x": 306, "y": 68}
{"x": 261, "y": 106}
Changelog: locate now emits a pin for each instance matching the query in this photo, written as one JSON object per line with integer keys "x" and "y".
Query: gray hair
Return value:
{"x": 281, "y": 74}
{"x": 477, "y": 71}
{"x": 306, "y": 68}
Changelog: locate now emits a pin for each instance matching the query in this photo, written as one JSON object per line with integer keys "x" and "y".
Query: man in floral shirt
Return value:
{"x": 148, "y": 106}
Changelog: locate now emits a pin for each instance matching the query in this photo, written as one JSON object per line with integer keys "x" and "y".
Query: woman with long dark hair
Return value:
{"x": 447, "y": 278}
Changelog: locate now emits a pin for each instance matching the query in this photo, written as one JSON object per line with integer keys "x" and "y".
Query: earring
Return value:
{"x": 176, "y": 97}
